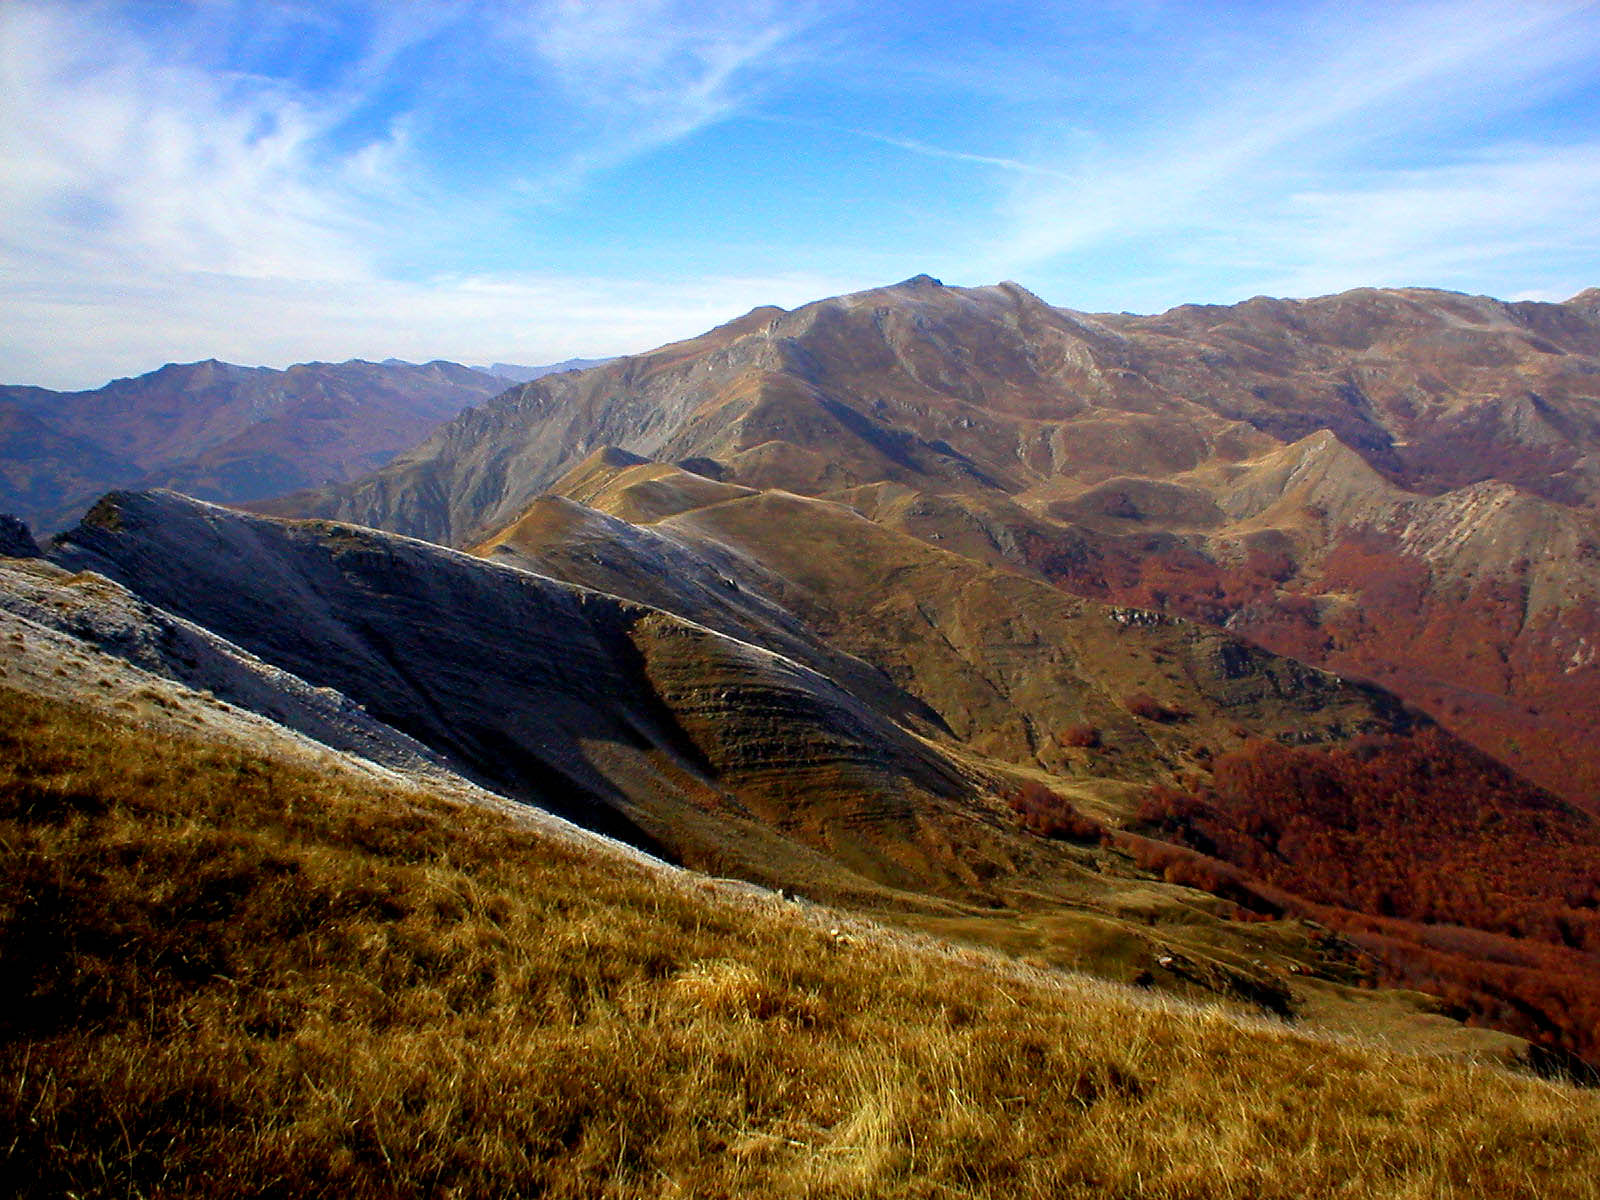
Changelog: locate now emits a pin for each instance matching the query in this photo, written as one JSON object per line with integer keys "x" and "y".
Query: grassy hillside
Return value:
{"x": 234, "y": 976}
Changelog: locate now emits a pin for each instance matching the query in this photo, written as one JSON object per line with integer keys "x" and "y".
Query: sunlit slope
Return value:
{"x": 1009, "y": 666}
{"x": 236, "y": 974}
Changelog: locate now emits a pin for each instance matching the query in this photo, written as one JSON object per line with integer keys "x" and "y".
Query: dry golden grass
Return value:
{"x": 234, "y": 976}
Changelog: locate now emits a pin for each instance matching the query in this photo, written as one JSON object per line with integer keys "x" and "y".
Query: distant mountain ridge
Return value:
{"x": 1329, "y": 475}
{"x": 516, "y": 373}
{"x": 921, "y": 381}
{"x": 220, "y": 431}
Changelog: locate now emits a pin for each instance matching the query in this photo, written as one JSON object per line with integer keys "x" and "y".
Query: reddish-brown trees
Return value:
{"x": 1453, "y": 873}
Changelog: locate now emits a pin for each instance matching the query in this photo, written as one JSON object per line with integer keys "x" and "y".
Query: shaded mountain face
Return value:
{"x": 219, "y": 431}
{"x": 45, "y": 471}
{"x": 629, "y": 719}
{"x": 890, "y": 725}
{"x": 1395, "y": 484}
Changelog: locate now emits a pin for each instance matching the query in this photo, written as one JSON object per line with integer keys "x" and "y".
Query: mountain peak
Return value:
{"x": 15, "y": 539}
{"x": 1022, "y": 295}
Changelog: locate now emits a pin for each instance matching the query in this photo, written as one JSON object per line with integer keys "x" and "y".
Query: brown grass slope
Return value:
{"x": 237, "y": 976}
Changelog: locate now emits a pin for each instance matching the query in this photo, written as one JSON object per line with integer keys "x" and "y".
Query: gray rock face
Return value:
{"x": 612, "y": 713}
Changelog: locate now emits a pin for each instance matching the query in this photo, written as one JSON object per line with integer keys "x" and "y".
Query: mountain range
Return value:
{"x": 223, "y": 432}
{"x": 516, "y": 373}
{"x": 1397, "y": 485}
{"x": 1097, "y": 638}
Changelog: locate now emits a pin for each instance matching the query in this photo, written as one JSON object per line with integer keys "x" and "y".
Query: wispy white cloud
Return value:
{"x": 925, "y": 150}
{"x": 628, "y": 55}
{"x": 116, "y": 161}
{"x": 153, "y": 206}
{"x": 646, "y": 73}
{"x": 1286, "y": 142}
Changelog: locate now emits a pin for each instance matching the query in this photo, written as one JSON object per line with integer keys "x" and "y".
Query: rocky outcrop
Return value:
{"x": 630, "y": 720}
{"x": 15, "y": 540}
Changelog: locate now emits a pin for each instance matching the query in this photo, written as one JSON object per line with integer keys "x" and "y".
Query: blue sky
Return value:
{"x": 272, "y": 183}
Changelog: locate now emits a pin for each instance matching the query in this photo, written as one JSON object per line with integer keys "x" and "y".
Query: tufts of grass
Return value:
{"x": 233, "y": 975}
